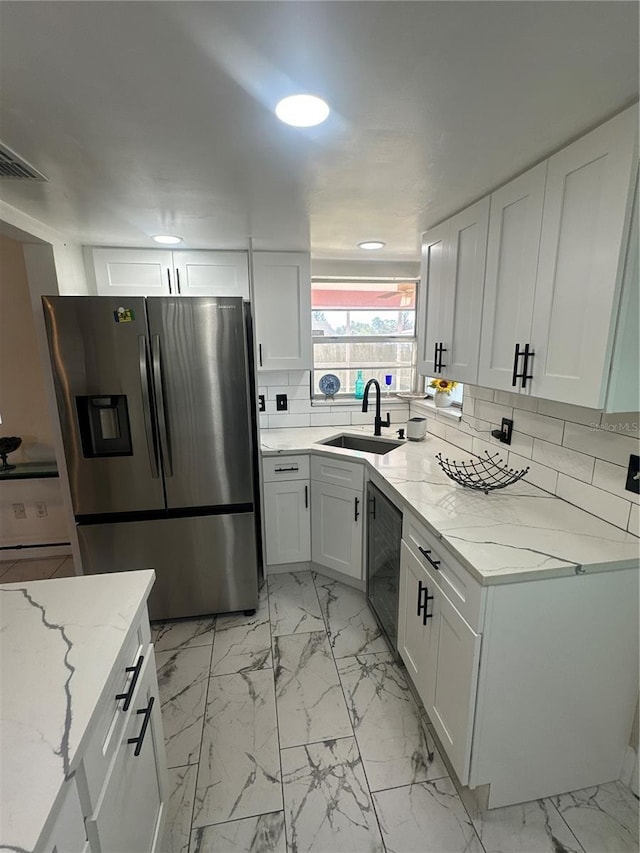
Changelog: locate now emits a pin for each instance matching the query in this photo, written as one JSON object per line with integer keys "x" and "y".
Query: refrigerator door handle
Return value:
{"x": 162, "y": 417}
{"x": 146, "y": 405}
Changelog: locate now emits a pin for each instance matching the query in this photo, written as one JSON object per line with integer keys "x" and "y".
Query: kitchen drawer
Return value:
{"x": 326, "y": 469}
{"x": 276, "y": 468}
{"x": 462, "y": 590}
{"x": 111, "y": 717}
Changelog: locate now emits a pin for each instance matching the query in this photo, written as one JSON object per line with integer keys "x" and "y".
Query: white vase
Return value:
{"x": 442, "y": 399}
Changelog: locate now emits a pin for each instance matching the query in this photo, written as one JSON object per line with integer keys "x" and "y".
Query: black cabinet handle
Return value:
{"x": 372, "y": 504}
{"x": 356, "y": 514}
{"x": 178, "y": 280}
{"x": 425, "y": 553}
{"x": 128, "y": 696}
{"x": 440, "y": 364}
{"x": 526, "y": 354}
{"x": 423, "y": 602}
{"x": 435, "y": 359}
{"x": 260, "y": 354}
{"x": 147, "y": 716}
{"x": 514, "y": 376}
{"x": 525, "y": 367}
{"x": 169, "y": 279}
{"x": 306, "y": 497}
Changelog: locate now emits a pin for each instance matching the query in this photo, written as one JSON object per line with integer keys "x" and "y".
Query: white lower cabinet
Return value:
{"x": 517, "y": 678}
{"x": 441, "y": 653}
{"x": 336, "y": 528}
{"x": 68, "y": 833}
{"x": 130, "y": 811}
{"x": 287, "y": 522}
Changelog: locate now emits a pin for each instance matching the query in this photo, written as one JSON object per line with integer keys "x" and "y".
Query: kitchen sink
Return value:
{"x": 362, "y": 442}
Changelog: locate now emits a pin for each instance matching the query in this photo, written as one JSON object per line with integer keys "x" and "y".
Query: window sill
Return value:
{"x": 393, "y": 401}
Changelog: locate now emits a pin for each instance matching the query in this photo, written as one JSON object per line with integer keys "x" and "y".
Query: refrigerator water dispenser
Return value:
{"x": 104, "y": 425}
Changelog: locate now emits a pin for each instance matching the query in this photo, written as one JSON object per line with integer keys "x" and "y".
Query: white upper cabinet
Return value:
{"x": 433, "y": 296}
{"x": 157, "y": 272}
{"x": 515, "y": 220}
{"x": 584, "y": 229}
{"x": 453, "y": 276}
{"x": 556, "y": 249}
{"x": 212, "y": 273}
{"x": 133, "y": 272}
{"x": 282, "y": 310}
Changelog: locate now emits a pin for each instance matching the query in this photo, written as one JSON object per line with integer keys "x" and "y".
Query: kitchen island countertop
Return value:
{"x": 60, "y": 641}
{"x": 517, "y": 533}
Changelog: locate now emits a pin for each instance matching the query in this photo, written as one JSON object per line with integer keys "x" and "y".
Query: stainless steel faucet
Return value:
{"x": 378, "y": 422}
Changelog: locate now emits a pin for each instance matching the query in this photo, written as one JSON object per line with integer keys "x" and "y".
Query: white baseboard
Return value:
{"x": 630, "y": 770}
{"x": 11, "y": 555}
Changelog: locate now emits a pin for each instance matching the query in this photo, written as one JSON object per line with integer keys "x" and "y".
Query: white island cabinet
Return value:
{"x": 82, "y": 748}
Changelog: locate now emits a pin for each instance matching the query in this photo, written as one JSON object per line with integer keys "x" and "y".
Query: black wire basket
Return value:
{"x": 482, "y": 474}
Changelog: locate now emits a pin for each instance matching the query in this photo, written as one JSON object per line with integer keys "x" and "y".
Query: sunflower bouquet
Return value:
{"x": 445, "y": 386}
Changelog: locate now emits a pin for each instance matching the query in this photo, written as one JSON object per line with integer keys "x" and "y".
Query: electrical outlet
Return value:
{"x": 261, "y": 403}
{"x": 19, "y": 511}
{"x": 505, "y": 431}
{"x": 41, "y": 509}
{"x": 281, "y": 403}
{"x": 633, "y": 474}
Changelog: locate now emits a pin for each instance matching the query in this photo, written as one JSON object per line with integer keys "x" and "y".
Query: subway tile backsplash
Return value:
{"x": 295, "y": 384}
{"x": 579, "y": 454}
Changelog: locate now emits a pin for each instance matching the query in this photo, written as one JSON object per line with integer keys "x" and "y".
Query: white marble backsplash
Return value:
{"x": 578, "y": 454}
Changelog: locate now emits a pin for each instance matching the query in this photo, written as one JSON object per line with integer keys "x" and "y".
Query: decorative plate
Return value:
{"x": 329, "y": 384}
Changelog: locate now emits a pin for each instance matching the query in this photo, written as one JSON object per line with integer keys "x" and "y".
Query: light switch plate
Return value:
{"x": 281, "y": 403}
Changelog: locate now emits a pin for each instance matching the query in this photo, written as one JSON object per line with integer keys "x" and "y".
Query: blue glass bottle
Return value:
{"x": 359, "y": 389}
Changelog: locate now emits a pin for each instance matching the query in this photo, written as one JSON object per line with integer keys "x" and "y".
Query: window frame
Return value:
{"x": 364, "y": 339}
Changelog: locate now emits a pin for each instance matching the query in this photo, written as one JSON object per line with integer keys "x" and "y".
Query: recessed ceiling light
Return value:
{"x": 302, "y": 110}
{"x": 167, "y": 239}
{"x": 371, "y": 244}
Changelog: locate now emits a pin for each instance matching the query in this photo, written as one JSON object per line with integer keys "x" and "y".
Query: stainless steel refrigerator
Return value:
{"x": 156, "y": 404}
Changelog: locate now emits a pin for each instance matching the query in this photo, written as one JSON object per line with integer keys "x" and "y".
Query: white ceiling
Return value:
{"x": 153, "y": 117}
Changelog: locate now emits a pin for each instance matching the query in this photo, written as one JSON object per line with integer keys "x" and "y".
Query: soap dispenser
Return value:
{"x": 359, "y": 389}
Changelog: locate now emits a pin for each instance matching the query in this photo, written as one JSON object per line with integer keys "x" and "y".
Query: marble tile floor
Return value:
{"x": 293, "y": 730}
{"x": 17, "y": 571}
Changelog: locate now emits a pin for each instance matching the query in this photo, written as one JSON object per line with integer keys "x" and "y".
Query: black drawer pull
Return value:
{"x": 423, "y": 602}
{"x": 425, "y": 553}
{"x": 285, "y": 470}
{"x": 147, "y": 716}
{"x": 128, "y": 696}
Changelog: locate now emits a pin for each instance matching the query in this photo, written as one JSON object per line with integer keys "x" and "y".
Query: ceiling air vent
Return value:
{"x": 13, "y": 166}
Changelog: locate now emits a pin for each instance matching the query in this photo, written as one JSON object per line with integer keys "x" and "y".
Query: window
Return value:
{"x": 364, "y": 324}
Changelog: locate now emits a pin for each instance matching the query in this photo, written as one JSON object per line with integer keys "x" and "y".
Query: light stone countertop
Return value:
{"x": 60, "y": 641}
{"x": 513, "y": 534}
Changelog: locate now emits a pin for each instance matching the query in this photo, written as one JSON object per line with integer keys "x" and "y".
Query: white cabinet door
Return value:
{"x": 212, "y": 273}
{"x": 134, "y": 272}
{"x": 287, "y": 522}
{"x": 451, "y": 679}
{"x": 453, "y": 260}
{"x": 336, "y": 528}
{"x": 468, "y": 236}
{"x": 413, "y": 633}
{"x": 131, "y": 811}
{"x": 586, "y": 209}
{"x": 435, "y": 315}
{"x": 515, "y": 221}
{"x": 282, "y": 310}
